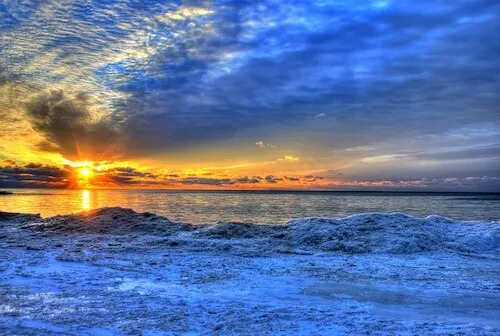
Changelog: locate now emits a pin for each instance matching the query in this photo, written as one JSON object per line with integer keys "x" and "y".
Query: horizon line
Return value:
{"x": 267, "y": 190}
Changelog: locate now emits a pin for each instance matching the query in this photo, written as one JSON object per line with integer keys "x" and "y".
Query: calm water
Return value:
{"x": 258, "y": 207}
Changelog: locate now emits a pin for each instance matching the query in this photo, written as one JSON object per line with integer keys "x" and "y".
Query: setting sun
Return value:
{"x": 85, "y": 173}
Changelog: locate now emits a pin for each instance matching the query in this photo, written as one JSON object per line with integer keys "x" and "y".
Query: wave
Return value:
{"x": 362, "y": 233}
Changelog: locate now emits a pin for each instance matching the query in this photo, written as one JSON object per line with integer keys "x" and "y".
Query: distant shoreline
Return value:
{"x": 275, "y": 191}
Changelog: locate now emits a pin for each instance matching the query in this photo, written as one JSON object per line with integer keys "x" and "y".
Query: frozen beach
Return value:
{"x": 113, "y": 271}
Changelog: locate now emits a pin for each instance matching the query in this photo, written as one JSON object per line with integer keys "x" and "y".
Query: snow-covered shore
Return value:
{"x": 114, "y": 271}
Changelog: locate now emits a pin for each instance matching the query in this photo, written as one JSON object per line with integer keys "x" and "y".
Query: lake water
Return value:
{"x": 257, "y": 207}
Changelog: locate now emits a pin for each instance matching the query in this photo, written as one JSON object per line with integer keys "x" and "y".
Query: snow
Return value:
{"x": 395, "y": 233}
{"x": 112, "y": 271}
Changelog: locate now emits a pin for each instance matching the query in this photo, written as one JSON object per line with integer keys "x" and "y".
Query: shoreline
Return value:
{"x": 152, "y": 213}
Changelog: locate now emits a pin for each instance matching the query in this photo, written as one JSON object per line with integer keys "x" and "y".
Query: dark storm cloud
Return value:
{"x": 70, "y": 128}
{"x": 34, "y": 175}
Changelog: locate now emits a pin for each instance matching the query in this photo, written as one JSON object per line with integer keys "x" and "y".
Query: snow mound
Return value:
{"x": 113, "y": 220}
{"x": 394, "y": 233}
{"x": 362, "y": 233}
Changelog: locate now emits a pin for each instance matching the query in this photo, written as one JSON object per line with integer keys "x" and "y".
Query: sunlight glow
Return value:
{"x": 85, "y": 199}
{"x": 76, "y": 164}
{"x": 85, "y": 173}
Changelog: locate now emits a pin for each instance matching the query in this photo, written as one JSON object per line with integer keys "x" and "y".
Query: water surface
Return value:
{"x": 258, "y": 207}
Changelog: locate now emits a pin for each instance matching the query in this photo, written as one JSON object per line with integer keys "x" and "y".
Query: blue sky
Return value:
{"x": 356, "y": 91}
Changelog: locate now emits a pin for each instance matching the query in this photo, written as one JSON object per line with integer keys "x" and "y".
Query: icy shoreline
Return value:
{"x": 362, "y": 233}
{"x": 114, "y": 271}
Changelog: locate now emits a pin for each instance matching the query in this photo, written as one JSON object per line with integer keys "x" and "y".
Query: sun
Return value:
{"x": 85, "y": 172}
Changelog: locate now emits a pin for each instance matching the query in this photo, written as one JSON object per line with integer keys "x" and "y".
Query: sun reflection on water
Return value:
{"x": 85, "y": 199}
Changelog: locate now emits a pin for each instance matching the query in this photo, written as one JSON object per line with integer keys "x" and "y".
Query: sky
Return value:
{"x": 258, "y": 94}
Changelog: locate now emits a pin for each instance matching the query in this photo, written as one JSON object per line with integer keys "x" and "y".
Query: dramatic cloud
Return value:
{"x": 70, "y": 128}
{"x": 380, "y": 90}
{"x": 394, "y": 60}
{"x": 34, "y": 175}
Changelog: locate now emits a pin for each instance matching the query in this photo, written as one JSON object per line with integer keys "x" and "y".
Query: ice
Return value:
{"x": 114, "y": 271}
{"x": 362, "y": 233}
{"x": 394, "y": 233}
